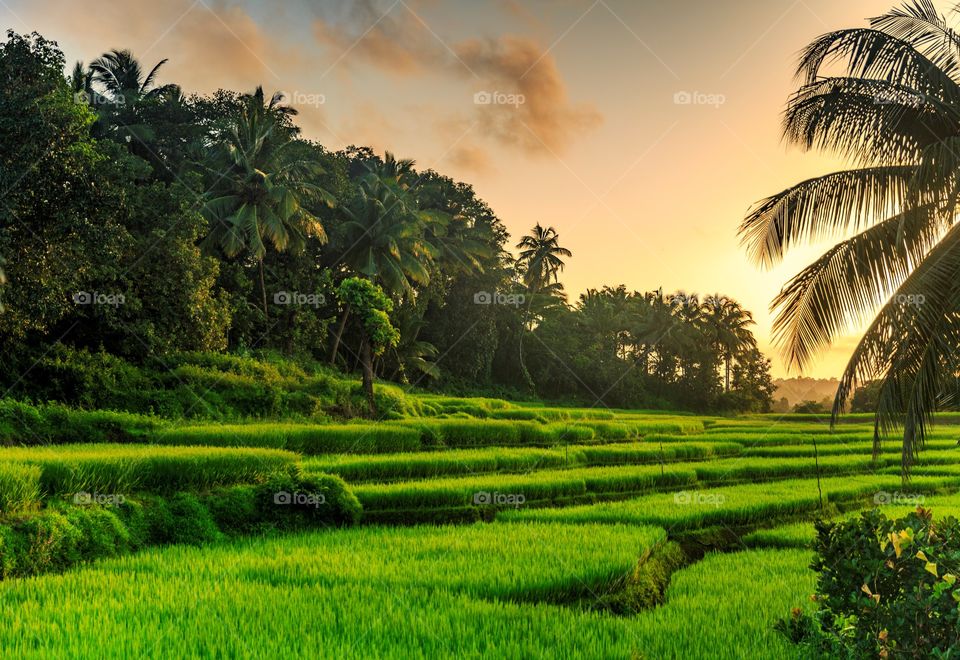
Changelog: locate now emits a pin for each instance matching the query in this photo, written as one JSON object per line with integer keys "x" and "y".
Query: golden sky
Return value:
{"x": 642, "y": 130}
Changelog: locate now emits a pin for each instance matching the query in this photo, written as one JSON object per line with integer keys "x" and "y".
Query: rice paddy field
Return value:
{"x": 477, "y": 528}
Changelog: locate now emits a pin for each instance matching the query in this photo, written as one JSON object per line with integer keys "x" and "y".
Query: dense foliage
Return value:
{"x": 141, "y": 223}
{"x": 886, "y": 588}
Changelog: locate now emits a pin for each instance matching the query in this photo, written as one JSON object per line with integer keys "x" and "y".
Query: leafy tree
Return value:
{"x": 264, "y": 187}
{"x": 371, "y": 308}
{"x": 87, "y": 224}
{"x": 384, "y": 240}
{"x": 893, "y": 109}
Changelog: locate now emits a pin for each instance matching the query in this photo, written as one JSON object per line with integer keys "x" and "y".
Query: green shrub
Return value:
{"x": 192, "y": 522}
{"x": 38, "y": 544}
{"x": 234, "y": 508}
{"x": 101, "y": 533}
{"x": 298, "y": 501}
{"x": 19, "y": 487}
{"x": 886, "y": 588}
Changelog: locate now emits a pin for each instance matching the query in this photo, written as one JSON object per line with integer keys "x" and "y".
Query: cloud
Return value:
{"x": 397, "y": 42}
{"x": 533, "y": 109}
{"x": 209, "y": 45}
{"x": 472, "y": 158}
{"x": 389, "y": 37}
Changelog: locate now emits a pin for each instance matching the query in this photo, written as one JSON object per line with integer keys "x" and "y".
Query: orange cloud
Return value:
{"x": 529, "y": 107}
{"x": 528, "y": 103}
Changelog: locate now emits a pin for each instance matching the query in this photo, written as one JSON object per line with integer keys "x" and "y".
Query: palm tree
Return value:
{"x": 116, "y": 86}
{"x": 539, "y": 264}
{"x": 894, "y": 111}
{"x": 265, "y": 186}
{"x": 385, "y": 241}
{"x": 728, "y": 326}
{"x": 540, "y": 257}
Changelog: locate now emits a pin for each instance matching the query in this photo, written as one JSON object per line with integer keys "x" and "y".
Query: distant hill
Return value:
{"x": 797, "y": 390}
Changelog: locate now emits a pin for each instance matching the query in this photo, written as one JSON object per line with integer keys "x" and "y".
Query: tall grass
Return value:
{"x": 306, "y": 439}
{"x": 360, "y": 593}
{"x": 19, "y": 487}
{"x": 731, "y": 505}
{"x": 124, "y": 469}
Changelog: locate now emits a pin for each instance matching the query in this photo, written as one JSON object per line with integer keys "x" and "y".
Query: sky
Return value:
{"x": 641, "y": 130}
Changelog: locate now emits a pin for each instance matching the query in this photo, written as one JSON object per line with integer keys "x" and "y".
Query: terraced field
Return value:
{"x": 479, "y": 529}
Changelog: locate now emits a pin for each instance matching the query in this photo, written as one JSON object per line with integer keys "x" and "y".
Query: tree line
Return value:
{"x": 141, "y": 221}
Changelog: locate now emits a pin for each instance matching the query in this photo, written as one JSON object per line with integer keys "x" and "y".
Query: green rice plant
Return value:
{"x": 731, "y": 505}
{"x": 742, "y": 469}
{"x": 651, "y": 452}
{"x": 725, "y": 606}
{"x": 633, "y": 479}
{"x": 307, "y": 439}
{"x": 571, "y": 433}
{"x": 894, "y": 505}
{"x": 480, "y": 490}
{"x": 611, "y": 430}
{"x": 789, "y": 439}
{"x": 19, "y": 487}
{"x": 519, "y": 489}
{"x": 423, "y": 592}
{"x": 466, "y": 432}
{"x": 26, "y": 424}
{"x": 124, "y": 469}
{"x": 421, "y": 465}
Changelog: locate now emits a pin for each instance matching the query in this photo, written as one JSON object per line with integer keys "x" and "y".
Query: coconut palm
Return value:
{"x": 121, "y": 76}
{"x": 539, "y": 264}
{"x": 541, "y": 257}
{"x": 384, "y": 236}
{"x": 893, "y": 110}
{"x": 727, "y": 325}
{"x": 117, "y": 87}
{"x": 265, "y": 185}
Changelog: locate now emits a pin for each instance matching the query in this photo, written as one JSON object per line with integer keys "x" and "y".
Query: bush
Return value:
{"x": 292, "y": 502}
{"x": 19, "y": 487}
{"x": 886, "y": 588}
{"x": 100, "y": 533}
{"x": 192, "y": 522}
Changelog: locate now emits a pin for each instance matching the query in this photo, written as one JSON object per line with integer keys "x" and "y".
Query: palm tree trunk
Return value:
{"x": 528, "y": 379}
{"x": 336, "y": 338}
{"x": 366, "y": 357}
{"x": 727, "y": 375}
{"x": 263, "y": 292}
